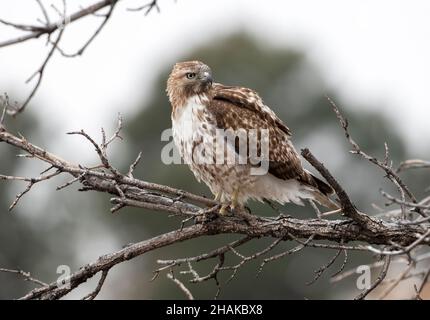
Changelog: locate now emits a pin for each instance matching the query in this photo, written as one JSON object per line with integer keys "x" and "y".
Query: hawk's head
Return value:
{"x": 188, "y": 79}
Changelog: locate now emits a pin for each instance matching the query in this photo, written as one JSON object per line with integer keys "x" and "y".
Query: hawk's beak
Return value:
{"x": 207, "y": 77}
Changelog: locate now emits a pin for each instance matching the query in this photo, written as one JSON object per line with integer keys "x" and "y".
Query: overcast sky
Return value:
{"x": 371, "y": 52}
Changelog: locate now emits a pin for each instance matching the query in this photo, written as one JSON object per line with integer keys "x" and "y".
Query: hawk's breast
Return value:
{"x": 192, "y": 125}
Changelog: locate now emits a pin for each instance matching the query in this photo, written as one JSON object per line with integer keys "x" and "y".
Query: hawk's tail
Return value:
{"x": 321, "y": 192}
{"x": 324, "y": 200}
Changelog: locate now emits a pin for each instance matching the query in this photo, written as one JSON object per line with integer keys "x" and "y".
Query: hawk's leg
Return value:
{"x": 225, "y": 204}
{"x": 233, "y": 203}
{"x": 218, "y": 196}
{"x": 234, "y": 199}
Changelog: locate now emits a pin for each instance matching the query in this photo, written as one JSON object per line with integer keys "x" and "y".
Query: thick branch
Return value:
{"x": 396, "y": 238}
{"x": 348, "y": 208}
{"x": 324, "y": 230}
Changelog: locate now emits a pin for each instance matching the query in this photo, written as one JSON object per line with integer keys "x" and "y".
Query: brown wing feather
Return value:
{"x": 237, "y": 107}
{"x": 249, "y": 99}
{"x": 232, "y": 111}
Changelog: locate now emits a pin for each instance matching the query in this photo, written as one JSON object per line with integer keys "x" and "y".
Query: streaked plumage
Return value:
{"x": 201, "y": 107}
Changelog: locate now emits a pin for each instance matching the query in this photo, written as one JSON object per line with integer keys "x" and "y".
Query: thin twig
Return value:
{"x": 92, "y": 295}
{"x": 181, "y": 286}
{"x": 79, "y": 52}
{"x": 320, "y": 271}
{"x": 149, "y": 7}
{"x": 380, "y": 278}
{"x": 26, "y": 275}
{"x": 356, "y": 149}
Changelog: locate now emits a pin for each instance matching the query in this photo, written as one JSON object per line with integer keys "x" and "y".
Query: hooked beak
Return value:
{"x": 207, "y": 77}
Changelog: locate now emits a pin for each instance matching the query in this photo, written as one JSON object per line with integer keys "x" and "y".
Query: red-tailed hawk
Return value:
{"x": 202, "y": 109}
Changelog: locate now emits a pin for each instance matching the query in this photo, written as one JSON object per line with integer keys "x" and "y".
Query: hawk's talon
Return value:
{"x": 231, "y": 205}
{"x": 223, "y": 211}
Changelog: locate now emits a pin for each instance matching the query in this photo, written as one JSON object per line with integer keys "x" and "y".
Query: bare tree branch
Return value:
{"x": 59, "y": 24}
{"x": 391, "y": 174}
{"x": 48, "y": 28}
{"x": 149, "y": 7}
{"x": 39, "y": 74}
{"x": 26, "y": 275}
{"x": 375, "y": 235}
{"x": 79, "y": 52}
{"x": 379, "y": 280}
{"x": 181, "y": 286}
{"x": 92, "y": 295}
{"x": 348, "y": 207}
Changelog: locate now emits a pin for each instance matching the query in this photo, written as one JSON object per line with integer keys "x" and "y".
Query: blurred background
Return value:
{"x": 370, "y": 57}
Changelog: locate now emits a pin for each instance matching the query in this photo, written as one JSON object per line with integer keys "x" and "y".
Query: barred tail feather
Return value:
{"x": 284, "y": 191}
{"x": 324, "y": 200}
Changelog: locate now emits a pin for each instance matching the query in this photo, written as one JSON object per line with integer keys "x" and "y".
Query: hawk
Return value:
{"x": 202, "y": 108}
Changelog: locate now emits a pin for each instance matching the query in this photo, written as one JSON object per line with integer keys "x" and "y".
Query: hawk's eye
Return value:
{"x": 191, "y": 75}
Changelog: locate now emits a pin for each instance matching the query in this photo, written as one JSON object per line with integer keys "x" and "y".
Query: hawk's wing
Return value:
{"x": 248, "y": 99}
{"x": 242, "y": 108}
